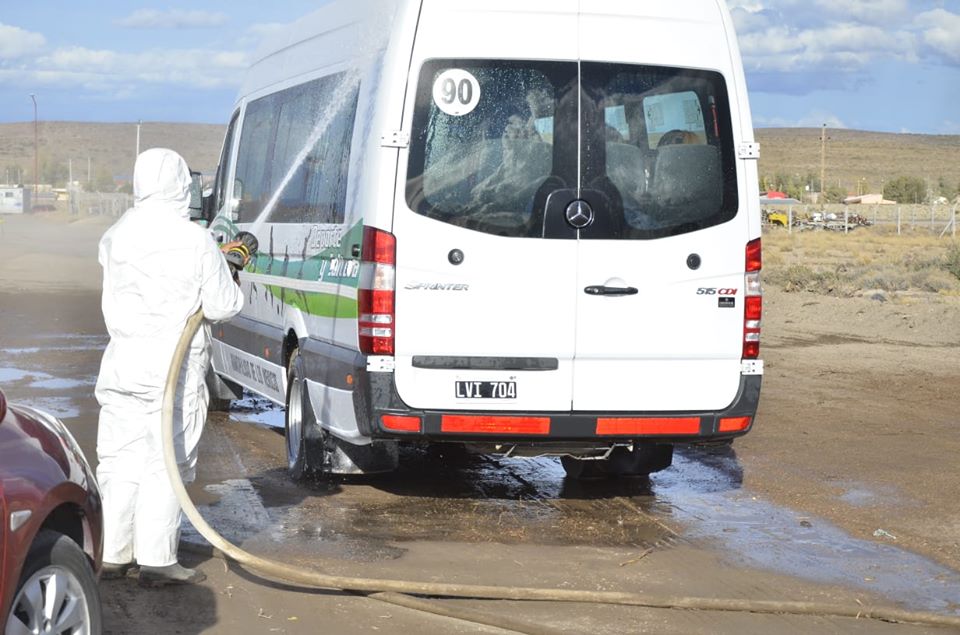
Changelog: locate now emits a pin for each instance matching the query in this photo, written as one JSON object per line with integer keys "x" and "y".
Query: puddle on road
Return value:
{"x": 42, "y": 380}
{"x": 760, "y": 534}
{"x": 257, "y": 410}
{"x": 446, "y": 492}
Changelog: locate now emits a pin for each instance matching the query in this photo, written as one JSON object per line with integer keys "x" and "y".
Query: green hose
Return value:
{"x": 316, "y": 579}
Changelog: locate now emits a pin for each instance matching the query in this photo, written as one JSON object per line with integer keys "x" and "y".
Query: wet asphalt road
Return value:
{"x": 445, "y": 509}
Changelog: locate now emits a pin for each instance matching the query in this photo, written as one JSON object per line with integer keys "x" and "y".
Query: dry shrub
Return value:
{"x": 951, "y": 260}
{"x": 832, "y": 263}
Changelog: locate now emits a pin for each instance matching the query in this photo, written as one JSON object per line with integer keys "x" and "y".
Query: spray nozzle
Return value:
{"x": 238, "y": 255}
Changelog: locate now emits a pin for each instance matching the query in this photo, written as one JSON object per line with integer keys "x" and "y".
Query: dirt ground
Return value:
{"x": 857, "y": 428}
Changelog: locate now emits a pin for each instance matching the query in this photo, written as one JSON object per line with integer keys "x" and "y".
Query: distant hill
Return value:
{"x": 110, "y": 147}
{"x": 851, "y": 155}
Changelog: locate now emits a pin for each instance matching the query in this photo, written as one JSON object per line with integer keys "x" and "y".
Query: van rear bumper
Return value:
{"x": 381, "y": 414}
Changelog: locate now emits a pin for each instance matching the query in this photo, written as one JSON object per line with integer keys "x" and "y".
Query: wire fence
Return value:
{"x": 99, "y": 203}
{"x": 939, "y": 219}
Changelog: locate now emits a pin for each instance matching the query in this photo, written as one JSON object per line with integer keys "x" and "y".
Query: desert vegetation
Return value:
{"x": 868, "y": 261}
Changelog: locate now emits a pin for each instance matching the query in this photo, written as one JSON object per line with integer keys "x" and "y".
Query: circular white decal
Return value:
{"x": 456, "y": 92}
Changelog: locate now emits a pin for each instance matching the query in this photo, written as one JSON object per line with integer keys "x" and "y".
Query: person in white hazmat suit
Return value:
{"x": 158, "y": 269}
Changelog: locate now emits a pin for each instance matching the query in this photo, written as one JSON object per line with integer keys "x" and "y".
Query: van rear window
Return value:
{"x": 494, "y": 141}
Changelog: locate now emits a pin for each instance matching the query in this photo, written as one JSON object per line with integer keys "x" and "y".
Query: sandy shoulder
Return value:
{"x": 50, "y": 252}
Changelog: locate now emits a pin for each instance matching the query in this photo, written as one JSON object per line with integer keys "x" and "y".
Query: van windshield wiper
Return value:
{"x": 605, "y": 290}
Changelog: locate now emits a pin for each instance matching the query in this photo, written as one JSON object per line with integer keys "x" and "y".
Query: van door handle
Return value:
{"x": 600, "y": 289}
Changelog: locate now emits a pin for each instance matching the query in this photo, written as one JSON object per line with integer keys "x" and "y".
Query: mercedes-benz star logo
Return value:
{"x": 579, "y": 214}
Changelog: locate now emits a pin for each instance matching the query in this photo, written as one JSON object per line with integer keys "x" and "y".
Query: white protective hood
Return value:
{"x": 161, "y": 179}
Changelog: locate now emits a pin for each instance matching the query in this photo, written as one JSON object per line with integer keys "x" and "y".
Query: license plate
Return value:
{"x": 486, "y": 389}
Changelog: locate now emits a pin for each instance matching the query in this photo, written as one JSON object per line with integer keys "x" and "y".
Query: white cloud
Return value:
{"x": 878, "y": 12}
{"x": 105, "y": 69}
{"x": 841, "y": 47}
{"x": 172, "y": 19}
{"x": 940, "y": 30}
{"x": 16, "y": 42}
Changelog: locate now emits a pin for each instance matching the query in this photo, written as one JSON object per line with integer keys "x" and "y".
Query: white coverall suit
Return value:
{"x": 158, "y": 269}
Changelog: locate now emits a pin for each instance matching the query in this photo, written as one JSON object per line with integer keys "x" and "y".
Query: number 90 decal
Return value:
{"x": 456, "y": 92}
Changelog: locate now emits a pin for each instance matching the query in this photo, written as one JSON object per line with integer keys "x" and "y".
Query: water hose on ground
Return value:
{"x": 384, "y": 588}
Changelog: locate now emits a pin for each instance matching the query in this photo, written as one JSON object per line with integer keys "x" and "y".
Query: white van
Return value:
{"x": 528, "y": 227}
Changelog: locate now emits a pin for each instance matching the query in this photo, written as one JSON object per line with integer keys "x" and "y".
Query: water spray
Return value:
{"x": 400, "y": 591}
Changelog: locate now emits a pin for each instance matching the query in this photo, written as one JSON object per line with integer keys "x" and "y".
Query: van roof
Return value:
{"x": 699, "y": 33}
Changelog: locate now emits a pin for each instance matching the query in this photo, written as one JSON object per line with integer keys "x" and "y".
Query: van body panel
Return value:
{"x": 508, "y": 298}
{"x": 671, "y": 346}
{"x": 464, "y": 29}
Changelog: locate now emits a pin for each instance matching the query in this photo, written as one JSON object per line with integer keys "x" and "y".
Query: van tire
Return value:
{"x": 584, "y": 469}
{"x": 221, "y": 392}
{"x": 217, "y": 404}
{"x": 643, "y": 460}
{"x": 304, "y": 438}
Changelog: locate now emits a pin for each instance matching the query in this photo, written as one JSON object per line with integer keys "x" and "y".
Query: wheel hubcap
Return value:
{"x": 294, "y": 421}
{"x": 51, "y": 601}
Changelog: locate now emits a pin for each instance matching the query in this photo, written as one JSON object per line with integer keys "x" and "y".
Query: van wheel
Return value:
{"x": 218, "y": 405}
{"x": 584, "y": 468}
{"x": 305, "y": 452}
{"x": 643, "y": 460}
{"x": 57, "y": 592}
{"x": 215, "y": 390}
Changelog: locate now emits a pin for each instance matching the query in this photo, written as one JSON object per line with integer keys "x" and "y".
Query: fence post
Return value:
{"x": 789, "y": 219}
{"x": 899, "y": 209}
{"x": 846, "y": 219}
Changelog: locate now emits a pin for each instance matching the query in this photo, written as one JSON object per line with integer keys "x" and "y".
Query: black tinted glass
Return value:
{"x": 649, "y": 148}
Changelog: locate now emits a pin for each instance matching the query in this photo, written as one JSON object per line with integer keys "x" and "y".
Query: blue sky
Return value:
{"x": 889, "y": 65}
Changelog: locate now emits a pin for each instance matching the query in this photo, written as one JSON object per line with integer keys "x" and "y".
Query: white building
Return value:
{"x": 14, "y": 200}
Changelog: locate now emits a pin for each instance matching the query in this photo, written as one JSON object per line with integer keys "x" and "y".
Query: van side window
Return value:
{"x": 295, "y": 152}
{"x": 224, "y": 169}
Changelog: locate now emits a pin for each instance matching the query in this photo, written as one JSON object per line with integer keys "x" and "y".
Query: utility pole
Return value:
{"x": 36, "y": 151}
{"x": 823, "y": 165}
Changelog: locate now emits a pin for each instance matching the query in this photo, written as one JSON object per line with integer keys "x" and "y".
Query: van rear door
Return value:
{"x": 661, "y": 262}
{"x": 485, "y": 305}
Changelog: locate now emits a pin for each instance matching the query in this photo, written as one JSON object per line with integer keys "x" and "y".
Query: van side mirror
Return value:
{"x": 233, "y": 207}
{"x": 196, "y": 196}
{"x": 3, "y": 407}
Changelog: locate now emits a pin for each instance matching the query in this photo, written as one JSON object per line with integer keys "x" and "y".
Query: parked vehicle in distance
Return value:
{"x": 530, "y": 228}
{"x": 52, "y": 531}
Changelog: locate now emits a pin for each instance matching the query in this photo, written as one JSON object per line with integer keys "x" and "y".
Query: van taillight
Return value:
{"x": 753, "y": 301}
{"x": 376, "y": 292}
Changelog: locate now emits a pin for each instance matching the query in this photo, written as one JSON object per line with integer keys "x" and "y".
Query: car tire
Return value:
{"x": 304, "y": 438}
{"x": 71, "y": 604}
